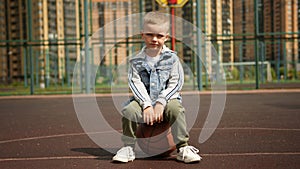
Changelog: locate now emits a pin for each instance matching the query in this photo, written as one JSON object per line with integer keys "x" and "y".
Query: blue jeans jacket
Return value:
{"x": 158, "y": 84}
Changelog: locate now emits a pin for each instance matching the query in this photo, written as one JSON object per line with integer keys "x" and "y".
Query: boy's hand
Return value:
{"x": 158, "y": 112}
{"x": 149, "y": 115}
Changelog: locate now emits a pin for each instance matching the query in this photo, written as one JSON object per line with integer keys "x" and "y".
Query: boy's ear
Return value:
{"x": 167, "y": 37}
{"x": 142, "y": 35}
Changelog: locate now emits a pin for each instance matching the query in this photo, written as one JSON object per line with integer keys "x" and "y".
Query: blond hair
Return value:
{"x": 157, "y": 18}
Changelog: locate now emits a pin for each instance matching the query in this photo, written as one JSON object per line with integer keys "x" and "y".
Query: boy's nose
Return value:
{"x": 154, "y": 38}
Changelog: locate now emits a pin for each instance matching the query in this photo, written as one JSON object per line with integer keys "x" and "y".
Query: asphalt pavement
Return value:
{"x": 258, "y": 129}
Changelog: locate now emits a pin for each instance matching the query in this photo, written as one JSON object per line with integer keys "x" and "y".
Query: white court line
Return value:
{"x": 47, "y": 158}
{"x": 40, "y": 137}
{"x": 104, "y": 132}
{"x": 51, "y": 136}
{"x": 251, "y": 154}
{"x": 96, "y": 157}
{"x": 250, "y": 128}
{"x": 254, "y": 91}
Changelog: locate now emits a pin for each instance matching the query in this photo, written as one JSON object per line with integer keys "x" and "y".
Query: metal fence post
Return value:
{"x": 199, "y": 46}
{"x": 86, "y": 48}
{"x": 29, "y": 17}
{"x": 256, "y": 32}
{"x": 25, "y": 67}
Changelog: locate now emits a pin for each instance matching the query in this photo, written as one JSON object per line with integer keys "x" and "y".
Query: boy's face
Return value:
{"x": 155, "y": 36}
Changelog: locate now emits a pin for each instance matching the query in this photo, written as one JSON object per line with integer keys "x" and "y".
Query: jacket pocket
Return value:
{"x": 164, "y": 73}
{"x": 145, "y": 78}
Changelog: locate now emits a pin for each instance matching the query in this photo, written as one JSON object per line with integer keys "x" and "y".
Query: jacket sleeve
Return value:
{"x": 138, "y": 88}
{"x": 174, "y": 85}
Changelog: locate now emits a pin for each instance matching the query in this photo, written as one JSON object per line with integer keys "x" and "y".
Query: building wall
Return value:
{"x": 298, "y": 29}
{"x": 218, "y": 26}
{"x": 58, "y": 29}
{"x": 14, "y": 17}
{"x": 281, "y": 18}
{"x": 244, "y": 30}
{"x": 3, "y": 33}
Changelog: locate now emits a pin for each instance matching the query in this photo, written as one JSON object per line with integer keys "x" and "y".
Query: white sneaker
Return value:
{"x": 188, "y": 154}
{"x": 124, "y": 155}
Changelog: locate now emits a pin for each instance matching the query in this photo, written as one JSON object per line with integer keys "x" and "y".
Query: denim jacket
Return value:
{"x": 159, "y": 84}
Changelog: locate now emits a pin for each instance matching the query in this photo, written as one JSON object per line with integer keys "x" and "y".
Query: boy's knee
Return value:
{"x": 174, "y": 108}
{"x": 131, "y": 110}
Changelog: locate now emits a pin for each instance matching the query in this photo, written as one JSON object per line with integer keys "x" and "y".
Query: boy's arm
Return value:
{"x": 138, "y": 88}
{"x": 175, "y": 83}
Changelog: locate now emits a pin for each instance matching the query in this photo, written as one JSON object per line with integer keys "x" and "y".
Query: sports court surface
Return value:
{"x": 258, "y": 129}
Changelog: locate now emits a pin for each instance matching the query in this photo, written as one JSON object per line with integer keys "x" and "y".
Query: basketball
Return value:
{"x": 156, "y": 139}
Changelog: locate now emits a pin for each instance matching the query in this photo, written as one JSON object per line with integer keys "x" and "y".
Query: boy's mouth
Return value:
{"x": 154, "y": 45}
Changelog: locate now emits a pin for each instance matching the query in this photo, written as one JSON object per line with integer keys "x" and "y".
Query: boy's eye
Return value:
{"x": 150, "y": 34}
{"x": 159, "y": 36}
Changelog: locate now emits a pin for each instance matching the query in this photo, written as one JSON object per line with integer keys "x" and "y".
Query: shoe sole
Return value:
{"x": 122, "y": 160}
{"x": 188, "y": 162}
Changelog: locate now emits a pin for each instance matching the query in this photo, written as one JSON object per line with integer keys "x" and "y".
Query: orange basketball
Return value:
{"x": 155, "y": 140}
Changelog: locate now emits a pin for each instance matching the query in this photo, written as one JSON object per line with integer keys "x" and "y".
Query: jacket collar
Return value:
{"x": 142, "y": 53}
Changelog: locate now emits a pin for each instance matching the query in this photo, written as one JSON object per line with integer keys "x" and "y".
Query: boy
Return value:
{"x": 155, "y": 79}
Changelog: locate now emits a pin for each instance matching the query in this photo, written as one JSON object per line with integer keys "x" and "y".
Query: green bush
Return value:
{"x": 235, "y": 73}
{"x": 273, "y": 73}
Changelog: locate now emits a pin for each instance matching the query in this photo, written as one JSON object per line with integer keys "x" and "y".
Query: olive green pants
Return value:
{"x": 173, "y": 113}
